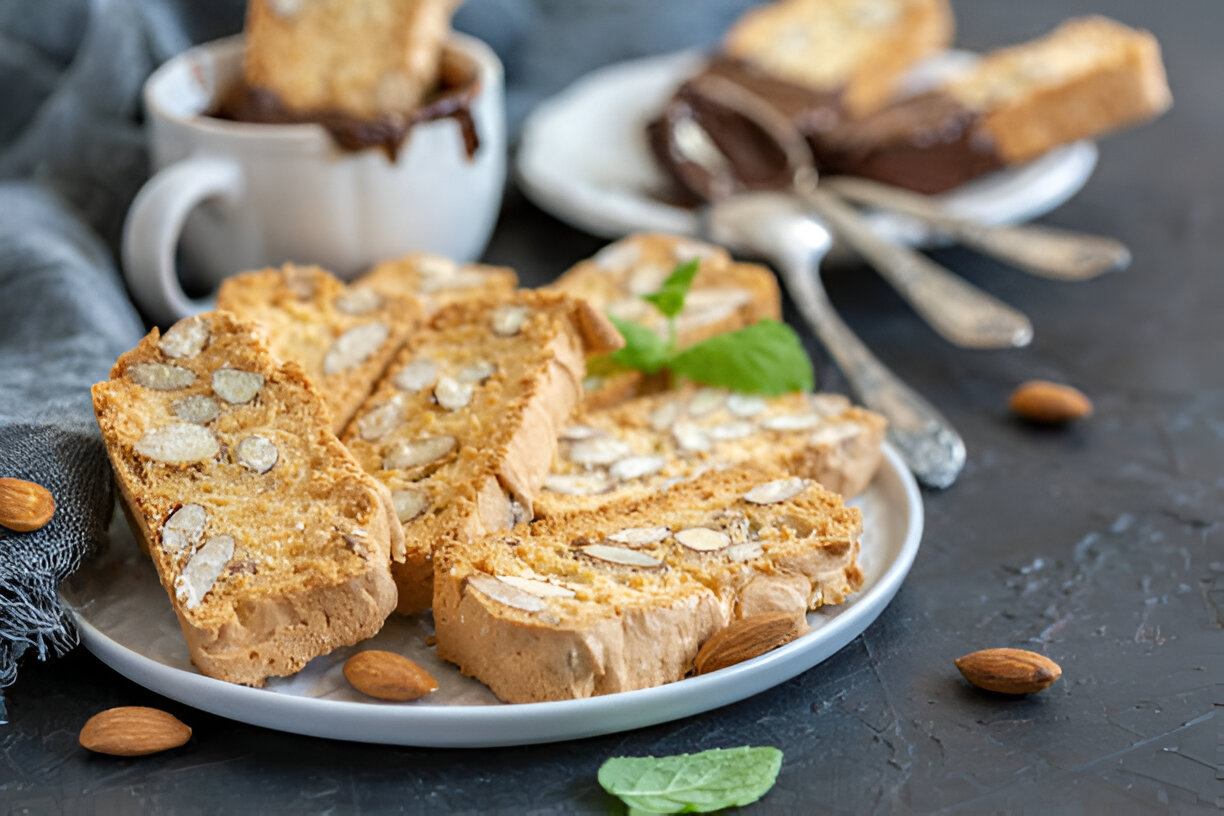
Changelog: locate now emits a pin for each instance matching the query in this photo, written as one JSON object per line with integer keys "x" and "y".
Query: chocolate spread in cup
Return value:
{"x": 458, "y": 86}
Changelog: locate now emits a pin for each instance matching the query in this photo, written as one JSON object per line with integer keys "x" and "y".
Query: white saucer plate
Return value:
{"x": 584, "y": 157}
{"x": 125, "y": 619}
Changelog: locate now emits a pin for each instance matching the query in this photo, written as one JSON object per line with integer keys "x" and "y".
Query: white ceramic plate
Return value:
{"x": 584, "y": 157}
{"x": 126, "y": 620}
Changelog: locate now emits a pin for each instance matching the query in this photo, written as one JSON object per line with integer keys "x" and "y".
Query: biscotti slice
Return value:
{"x": 344, "y": 337}
{"x": 272, "y": 542}
{"x": 724, "y": 296}
{"x": 853, "y": 49}
{"x": 436, "y": 281}
{"x": 464, "y": 426}
{"x": 364, "y": 59}
{"x": 639, "y": 448}
{"x": 623, "y": 599}
{"x": 1089, "y": 76}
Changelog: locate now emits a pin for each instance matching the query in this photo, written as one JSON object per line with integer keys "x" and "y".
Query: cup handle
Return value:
{"x": 155, "y": 222}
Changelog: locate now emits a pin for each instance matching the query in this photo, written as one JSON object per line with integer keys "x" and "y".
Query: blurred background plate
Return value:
{"x": 584, "y": 157}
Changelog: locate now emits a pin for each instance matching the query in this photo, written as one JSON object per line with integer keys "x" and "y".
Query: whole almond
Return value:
{"x": 1009, "y": 671}
{"x": 133, "y": 731}
{"x": 388, "y": 676}
{"x": 747, "y": 638}
{"x": 1049, "y": 403}
{"x": 24, "y": 506}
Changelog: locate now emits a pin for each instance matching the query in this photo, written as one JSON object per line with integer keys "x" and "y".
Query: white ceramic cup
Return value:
{"x": 241, "y": 195}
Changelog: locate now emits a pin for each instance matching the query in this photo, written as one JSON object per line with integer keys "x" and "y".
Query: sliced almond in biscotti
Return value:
{"x": 463, "y": 427}
{"x": 648, "y": 444}
{"x": 271, "y": 541}
{"x": 724, "y": 296}
{"x": 343, "y": 336}
{"x": 596, "y": 603}
{"x": 435, "y": 281}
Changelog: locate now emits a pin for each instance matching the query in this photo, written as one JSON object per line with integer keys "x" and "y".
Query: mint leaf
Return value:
{"x": 670, "y": 298}
{"x": 764, "y": 358}
{"x": 692, "y": 783}
{"x": 644, "y": 350}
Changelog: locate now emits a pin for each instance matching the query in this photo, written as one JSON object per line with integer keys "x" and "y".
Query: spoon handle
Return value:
{"x": 931, "y": 448}
{"x": 959, "y": 311}
{"x": 1044, "y": 251}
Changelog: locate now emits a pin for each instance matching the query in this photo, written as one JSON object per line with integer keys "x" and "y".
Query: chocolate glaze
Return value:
{"x": 457, "y": 89}
{"x": 929, "y": 143}
{"x": 755, "y": 160}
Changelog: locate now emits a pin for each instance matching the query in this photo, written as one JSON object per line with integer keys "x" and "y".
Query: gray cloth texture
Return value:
{"x": 72, "y": 156}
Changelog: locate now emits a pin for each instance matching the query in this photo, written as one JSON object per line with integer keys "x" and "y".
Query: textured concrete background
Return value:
{"x": 1099, "y": 545}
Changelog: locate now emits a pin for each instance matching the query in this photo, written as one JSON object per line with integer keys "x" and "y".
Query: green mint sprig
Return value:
{"x": 765, "y": 358}
{"x": 692, "y": 783}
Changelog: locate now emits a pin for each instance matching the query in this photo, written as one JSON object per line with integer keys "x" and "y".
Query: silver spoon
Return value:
{"x": 957, "y": 310}
{"x": 1048, "y": 252}
{"x": 777, "y": 226}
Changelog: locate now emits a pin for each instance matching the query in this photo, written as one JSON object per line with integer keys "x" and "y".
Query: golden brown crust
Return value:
{"x": 464, "y": 442}
{"x": 858, "y": 48}
{"x": 259, "y": 586}
{"x": 363, "y": 59}
{"x": 638, "y": 448}
{"x": 573, "y": 606}
{"x": 342, "y": 338}
{"x": 1089, "y": 76}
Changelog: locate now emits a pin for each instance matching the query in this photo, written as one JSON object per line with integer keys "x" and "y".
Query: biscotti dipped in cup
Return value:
{"x": 435, "y": 281}
{"x": 464, "y": 426}
{"x": 644, "y": 446}
{"x": 598, "y": 603}
{"x": 344, "y": 337}
{"x": 724, "y": 296}
{"x": 854, "y": 51}
{"x": 1089, "y": 76}
{"x": 361, "y": 59}
{"x": 271, "y": 541}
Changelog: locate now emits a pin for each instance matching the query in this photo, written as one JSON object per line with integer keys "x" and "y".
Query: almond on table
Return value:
{"x": 271, "y": 541}
{"x": 133, "y": 731}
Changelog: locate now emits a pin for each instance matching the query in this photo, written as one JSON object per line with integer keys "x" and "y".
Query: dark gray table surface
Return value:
{"x": 1100, "y": 545}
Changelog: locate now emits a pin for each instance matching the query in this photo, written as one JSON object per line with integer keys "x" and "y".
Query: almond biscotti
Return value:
{"x": 644, "y": 446}
{"x": 363, "y": 59}
{"x": 623, "y": 599}
{"x": 854, "y": 50}
{"x": 435, "y": 281}
{"x": 1090, "y": 76}
{"x": 344, "y": 337}
{"x": 464, "y": 426}
{"x": 724, "y": 296}
{"x": 272, "y": 542}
